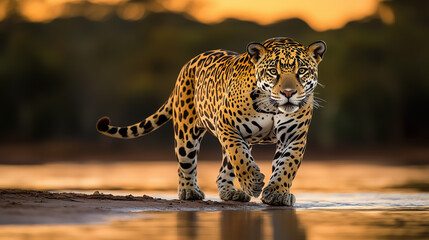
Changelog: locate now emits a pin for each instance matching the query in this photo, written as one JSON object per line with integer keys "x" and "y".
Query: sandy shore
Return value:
{"x": 42, "y": 207}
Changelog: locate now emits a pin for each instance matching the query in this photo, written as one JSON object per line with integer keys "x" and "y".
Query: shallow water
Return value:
{"x": 406, "y": 223}
{"x": 335, "y": 200}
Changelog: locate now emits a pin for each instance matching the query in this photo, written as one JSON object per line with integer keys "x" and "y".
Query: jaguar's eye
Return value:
{"x": 302, "y": 71}
{"x": 273, "y": 72}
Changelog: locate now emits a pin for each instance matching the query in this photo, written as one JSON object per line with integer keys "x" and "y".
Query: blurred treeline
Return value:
{"x": 57, "y": 78}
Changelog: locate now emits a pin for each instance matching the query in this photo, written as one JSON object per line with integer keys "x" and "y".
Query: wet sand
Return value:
{"x": 43, "y": 207}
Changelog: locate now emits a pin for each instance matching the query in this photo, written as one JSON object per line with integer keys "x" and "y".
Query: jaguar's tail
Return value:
{"x": 146, "y": 126}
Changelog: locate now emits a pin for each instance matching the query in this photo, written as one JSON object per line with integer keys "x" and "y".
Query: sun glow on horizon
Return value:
{"x": 320, "y": 15}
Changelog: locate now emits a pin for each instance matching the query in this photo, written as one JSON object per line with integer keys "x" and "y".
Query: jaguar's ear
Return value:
{"x": 317, "y": 50}
{"x": 256, "y": 51}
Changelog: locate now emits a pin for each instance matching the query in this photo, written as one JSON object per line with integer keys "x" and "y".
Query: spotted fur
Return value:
{"x": 264, "y": 96}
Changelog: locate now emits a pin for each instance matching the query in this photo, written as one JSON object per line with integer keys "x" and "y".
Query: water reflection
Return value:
{"x": 242, "y": 225}
{"x": 286, "y": 225}
{"x": 187, "y": 225}
{"x": 231, "y": 225}
{"x": 255, "y": 224}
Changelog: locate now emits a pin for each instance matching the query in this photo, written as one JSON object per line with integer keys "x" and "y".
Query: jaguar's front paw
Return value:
{"x": 272, "y": 196}
{"x": 191, "y": 194}
{"x": 234, "y": 195}
{"x": 252, "y": 180}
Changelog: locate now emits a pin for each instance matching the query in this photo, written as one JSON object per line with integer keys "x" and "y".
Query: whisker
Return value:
{"x": 253, "y": 90}
{"x": 263, "y": 104}
{"x": 299, "y": 98}
{"x": 316, "y": 103}
{"x": 261, "y": 100}
{"x": 319, "y": 99}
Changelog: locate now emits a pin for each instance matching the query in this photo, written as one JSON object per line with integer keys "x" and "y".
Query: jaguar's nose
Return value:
{"x": 288, "y": 92}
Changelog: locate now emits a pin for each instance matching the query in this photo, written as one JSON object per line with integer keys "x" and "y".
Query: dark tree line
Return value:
{"x": 57, "y": 78}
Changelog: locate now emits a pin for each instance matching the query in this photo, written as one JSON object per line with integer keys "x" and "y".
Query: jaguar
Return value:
{"x": 262, "y": 96}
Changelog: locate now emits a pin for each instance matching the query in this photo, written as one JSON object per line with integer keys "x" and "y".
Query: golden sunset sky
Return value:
{"x": 319, "y": 14}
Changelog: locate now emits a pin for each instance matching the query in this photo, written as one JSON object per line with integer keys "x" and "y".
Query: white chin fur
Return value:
{"x": 288, "y": 108}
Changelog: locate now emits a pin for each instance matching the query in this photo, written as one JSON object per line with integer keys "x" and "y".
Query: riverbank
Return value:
{"x": 43, "y": 207}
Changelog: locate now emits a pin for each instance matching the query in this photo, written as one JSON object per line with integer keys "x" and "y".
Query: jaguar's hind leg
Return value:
{"x": 225, "y": 182}
{"x": 187, "y": 144}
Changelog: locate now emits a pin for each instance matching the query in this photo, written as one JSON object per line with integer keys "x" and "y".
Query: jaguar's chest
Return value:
{"x": 256, "y": 128}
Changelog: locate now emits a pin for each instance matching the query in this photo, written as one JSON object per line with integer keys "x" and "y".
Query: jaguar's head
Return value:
{"x": 286, "y": 70}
